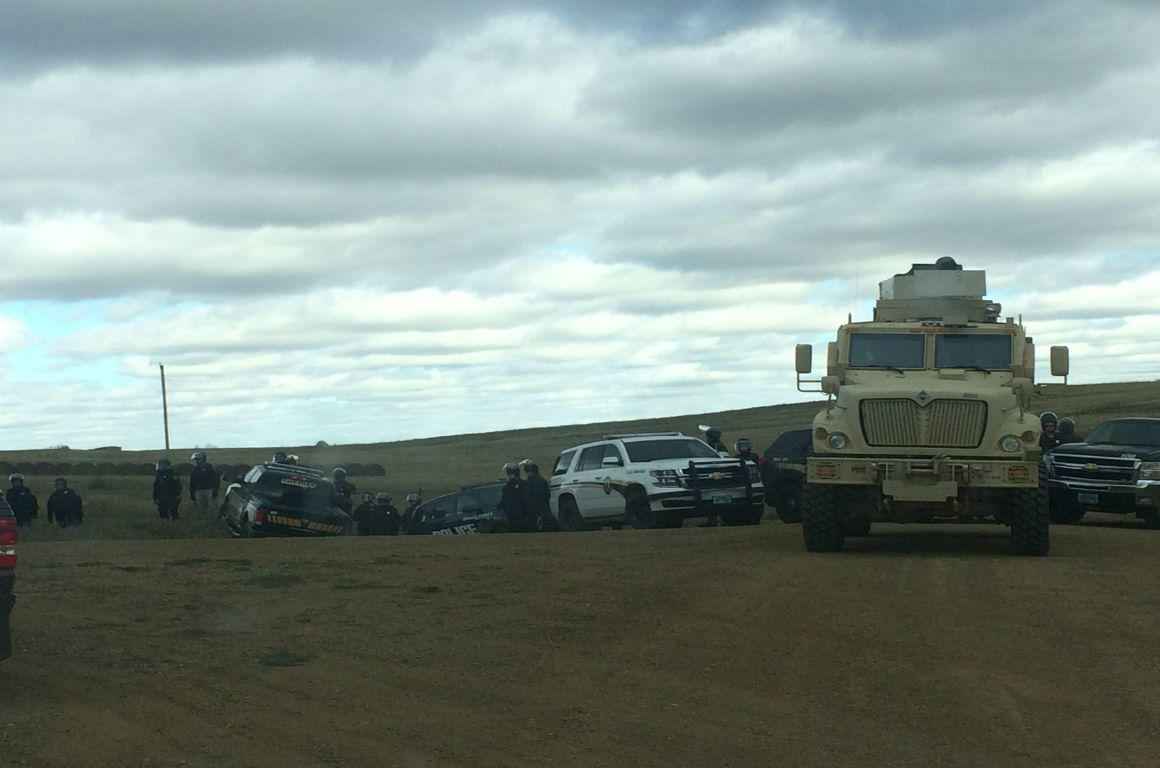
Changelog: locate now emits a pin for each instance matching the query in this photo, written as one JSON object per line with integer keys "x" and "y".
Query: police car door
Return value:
{"x": 587, "y": 482}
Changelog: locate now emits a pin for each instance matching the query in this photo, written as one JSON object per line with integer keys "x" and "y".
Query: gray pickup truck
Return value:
{"x": 7, "y": 576}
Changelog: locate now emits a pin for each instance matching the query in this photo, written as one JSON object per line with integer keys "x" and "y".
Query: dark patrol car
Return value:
{"x": 1117, "y": 470}
{"x": 284, "y": 500}
{"x": 7, "y": 576}
{"x": 473, "y": 509}
{"x": 784, "y": 473}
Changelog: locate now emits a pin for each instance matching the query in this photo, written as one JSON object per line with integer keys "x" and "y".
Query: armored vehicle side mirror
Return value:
{"x": 804, "y": 358}
{"x": 1060, "y": 362}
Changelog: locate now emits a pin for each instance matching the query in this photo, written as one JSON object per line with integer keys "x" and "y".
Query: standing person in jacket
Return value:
{"x": 65, "y": 505}
{"x": 22, "y": 500}
{"x": 514, "y": 500}
{"x": 539, "y": 499}
{"x": 166, "y": 491}
{"x": 1066, "y": 431}
{"x": 204, "y": 482}
{"x": 1048, "y": 438}
{"x": 344, "y": 490}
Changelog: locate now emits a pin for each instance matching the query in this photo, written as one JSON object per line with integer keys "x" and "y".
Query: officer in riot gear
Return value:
{"x": 65, "y": 506}
{"x": 166, "y": 491}
{"x": 539, "y": 498}
{"x": 713, "y": 438}
{"x": 23, "y": 501}
{"x": 204, "y": 482}
{"x": 1048, "y": 438}
{"x": 1065, "y": 432}
{"x": 514, "y": 500}
{"x": 344, "y": 490}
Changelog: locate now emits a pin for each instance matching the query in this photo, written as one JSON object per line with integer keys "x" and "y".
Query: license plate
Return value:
{"x": 1088, "y": 498}
{"x": 722, "y": 499}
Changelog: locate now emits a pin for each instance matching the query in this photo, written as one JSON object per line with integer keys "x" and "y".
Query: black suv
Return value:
{"x": 784, "y": 473}
{"x": 7, "y": 576}
{"x": 284, "y": 500}
{"x": 1117, "y": 469}
{"x": 472, "y": 509}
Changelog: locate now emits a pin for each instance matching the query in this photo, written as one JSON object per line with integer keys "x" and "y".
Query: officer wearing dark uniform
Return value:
{"x": 713, "y": 438}
{"x": 514, "y": 501}
{"x": 408, "y": 519}
{"x": 377, "y": 516}
{"x": 1065, "y": 432}
{"x": 743, "y": 449}
{"x": 23, "y": 501}
{"x": 65, "y": 505}
{"x": 1048, "y": 438}
{"x": 166, "y": 491}
{"x": 344, "y": 490}
{"x": 539, "y": 499}
{"x": 204, "y": 482}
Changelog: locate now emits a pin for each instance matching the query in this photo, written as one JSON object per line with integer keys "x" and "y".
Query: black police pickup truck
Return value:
{"x": 1117, "y": 469}
{"x": 473, "y": 509}
{"x": 7, "y": 576}
{"x": 284, "y": 500}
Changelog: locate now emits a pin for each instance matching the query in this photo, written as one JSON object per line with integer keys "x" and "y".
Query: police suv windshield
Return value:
{"x": 1127, "y": 433}
{"x": 661, "y": 450}
{"x": 965, "y": 350}
{"x": 887, "y": 350}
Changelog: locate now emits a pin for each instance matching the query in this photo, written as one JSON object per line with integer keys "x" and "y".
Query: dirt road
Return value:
{"x": 728, "y": 647}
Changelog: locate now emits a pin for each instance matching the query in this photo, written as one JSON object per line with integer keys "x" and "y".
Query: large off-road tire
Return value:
{"x": 856, "y": 525}
{"x": 1065, "y": 509}
{"x": 570, "y": 519}
{"x": 822, "y": 527}
{"x": 637, "y": 511}
{"x": 1152, "y": 519}
{"x": 1030, "y": 521}
{"x": 789, "y": 504}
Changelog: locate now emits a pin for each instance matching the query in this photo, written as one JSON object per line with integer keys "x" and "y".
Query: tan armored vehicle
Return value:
{"x": 928, "y": 416}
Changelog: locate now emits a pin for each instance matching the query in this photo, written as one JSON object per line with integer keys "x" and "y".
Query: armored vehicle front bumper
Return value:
{"x": 922, "y": 479}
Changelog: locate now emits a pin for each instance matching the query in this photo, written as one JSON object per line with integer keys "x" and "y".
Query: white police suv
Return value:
{"x": 652, "y": 480}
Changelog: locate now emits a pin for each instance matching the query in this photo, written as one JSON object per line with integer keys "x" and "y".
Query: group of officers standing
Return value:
{"x": 65, "y": 506}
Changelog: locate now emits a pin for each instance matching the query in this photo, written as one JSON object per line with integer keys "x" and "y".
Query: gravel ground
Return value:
{"x": 921, "y": 646}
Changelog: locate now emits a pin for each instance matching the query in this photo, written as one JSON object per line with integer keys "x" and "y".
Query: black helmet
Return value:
{"x": 1048, "y": 417}
{"x": 198, "y": 457}
{"x": 531, "y": 467}
{"x": 1066, "y": 427}
{"x": 511, "y": 469}
{"x": 339, "y": 472}
{"x": 14, "y": 477}
{"x": 743, "y": 445}
{"x": 163, "y": 464}
{"x": 280, "y": 457}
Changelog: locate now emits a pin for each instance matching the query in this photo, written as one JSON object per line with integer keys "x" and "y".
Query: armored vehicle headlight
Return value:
{"x": 1011, "y": 444}
{"x": 838, "y": 441}
{"x": 1150, "y": 470}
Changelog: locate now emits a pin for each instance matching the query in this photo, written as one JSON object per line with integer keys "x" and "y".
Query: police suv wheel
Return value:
{"x": 570, "y": 519}
{"x": 638, "y": 512}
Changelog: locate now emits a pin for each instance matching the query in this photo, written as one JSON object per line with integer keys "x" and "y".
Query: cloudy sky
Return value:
{"x": 362, "y": 220}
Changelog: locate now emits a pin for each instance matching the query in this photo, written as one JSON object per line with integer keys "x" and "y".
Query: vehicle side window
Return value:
{"x": 614, "y": 452}
{"x": 442, "y": 508}
{"x": 563, "y": 463}
{"x": 470, "y": 504}
{"x": 592, "y": 458}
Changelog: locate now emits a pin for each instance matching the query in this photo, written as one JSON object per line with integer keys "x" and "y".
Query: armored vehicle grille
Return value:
{"x": 900, "y": 422}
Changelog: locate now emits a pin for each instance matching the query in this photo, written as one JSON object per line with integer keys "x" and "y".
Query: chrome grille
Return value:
{"x": 901, "y": 422}
{"x": 1107, "y": 470}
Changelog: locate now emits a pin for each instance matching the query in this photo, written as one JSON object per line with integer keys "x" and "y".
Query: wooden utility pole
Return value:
{"x": 165, "y": 407}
